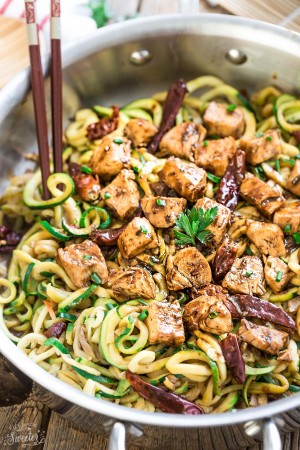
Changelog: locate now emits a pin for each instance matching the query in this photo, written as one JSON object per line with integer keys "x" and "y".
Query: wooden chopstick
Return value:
{"x": 56, "y": 86}
{"x": 38, "y": 93}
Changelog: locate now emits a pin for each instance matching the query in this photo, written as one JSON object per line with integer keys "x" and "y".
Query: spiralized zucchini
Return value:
{"x": 103, "y": 337}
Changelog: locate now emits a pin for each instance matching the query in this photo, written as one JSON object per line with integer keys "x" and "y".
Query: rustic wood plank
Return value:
{"x": 24, "y": 426}
{"x": 12, "y": 391}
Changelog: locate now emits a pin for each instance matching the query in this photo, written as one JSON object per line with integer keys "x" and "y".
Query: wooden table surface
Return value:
{"x": 20, "y": 416}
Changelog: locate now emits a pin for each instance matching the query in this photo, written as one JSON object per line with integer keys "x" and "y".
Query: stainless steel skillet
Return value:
{"x": 117, "y": 64}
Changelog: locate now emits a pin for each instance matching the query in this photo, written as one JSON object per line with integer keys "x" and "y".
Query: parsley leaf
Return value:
{"x": 191, "y": 226}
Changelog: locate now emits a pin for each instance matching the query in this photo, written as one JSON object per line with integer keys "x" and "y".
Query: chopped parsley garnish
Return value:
{"x": 249, "y": 273}
{"x": 213, "y": 315}
{"x": 118, "y": 141}
{"x": 259, "y": 134}
{"x": 279, "y": 276}
{"x": 96, "y": 279}
{"x": 205, "y": 143}
{"x": 213, "y": 178}
{"x": 86, "y": 169}
{"x": 87, "y": 257}
{"x": 231, "y": 108}
{"x": 160, "y": 202}
{"x": 136, "y": 169}
{"x": 296, "y": 237}
{"x": 191, "y": 226}
{"x": 143, "y": 229}
{"x": 107, "y": 195}
{"x": 269, "y": 138}
{"x": 287, "y": 228}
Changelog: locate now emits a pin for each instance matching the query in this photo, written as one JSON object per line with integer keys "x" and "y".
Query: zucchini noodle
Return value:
{"x": 100, "y": 337}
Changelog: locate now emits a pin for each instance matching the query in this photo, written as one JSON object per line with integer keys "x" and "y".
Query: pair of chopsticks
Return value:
{"x": 38, "y": 91}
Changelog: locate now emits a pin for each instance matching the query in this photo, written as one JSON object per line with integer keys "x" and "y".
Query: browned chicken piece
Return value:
{"x": 78, "y": 267}
{"x": 268, "y": 237}
{"x": 288, "y": 218}
{"x": 214, "y": 155}
{"x": 131, "y": 282}
{"x": 224, "y": 123}
{"x": 276, "y": 273}
{"x": 246, "y": 276}
{"x": 162, "y": 212}
{"x": 261, "y": 195}
{"x": 186, "y": 179}
{"x": 293, "y": 182}
{"x": 122, "y": 194}
{"x": 109, "y": 158}
{"x": 293, "y": 305}
{"x": 187, "y": 268}
{"x": 264, "y": 338}
{"x": 140, "y": 132}
{"x": 165, "y": 324}
{"x": 210, "y": 290}
{"x": 209, "y": 314}
{"x": 182, "y": 140}
{"x": 138, "y": 236}
{"x": 261, "y": 149}
{"x": 285, "y": 355}
{"x": 219, "y": 225}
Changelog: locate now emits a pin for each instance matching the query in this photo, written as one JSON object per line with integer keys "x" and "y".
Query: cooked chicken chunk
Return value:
{"x": 122, "y": 194}
{"x": 263, "y": 196}
{"x": 261, "y": 149}
{"x": 186, "y": 179}
{"x": 165, "y": 324}
{"x": 246, "y": 276}
{"x": 162, "y": 212}
{"x": 138, "y": 236}
{"x": 219, "y": 225}
{"x": 267, "y": 237}
{"x": 288, "y": 218}
{"x": 209, "y": 314}
{"x": 264, "y": 338}
{"x": 210, "y": 290}
{"x": 293, "y": 182}
{"x": 187, "y": 268}
{"x": 276, "y": 273}
{"x": 224, "y": 123}
{"x": 182, "y": 140}
{"x": 132, "y": 282}
{"x": 110, "y": 158}
{"x": 140, "y": 132}
{"x": 214, "y": 155}
{"x": 79, "y": 268}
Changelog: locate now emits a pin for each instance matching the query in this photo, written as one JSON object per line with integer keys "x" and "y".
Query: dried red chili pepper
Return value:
{"x": 107, "y": 237}
{"x": 165, "y": 401}
{"x": 104, "y": 126}
{"x": 56, "y": 330}
{"x": 224, "y": 258}
{"x": 175, "y": 96}
{"x": 8, "y": 239}
{"x": 228, "y": 192}
{"x": 241, "y": 305}
{"x": 87, "y": 187}
{"x": 233, "y": 357}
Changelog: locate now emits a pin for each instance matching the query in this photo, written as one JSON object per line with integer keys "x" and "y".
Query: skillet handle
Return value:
{"x": 271, "y": 436}
{"x": 117, "y": 438}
